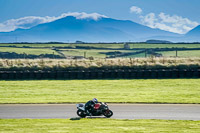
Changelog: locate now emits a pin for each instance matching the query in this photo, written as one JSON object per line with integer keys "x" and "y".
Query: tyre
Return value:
{"x": 108, "y": 113}
{"x": 81, "y": 113}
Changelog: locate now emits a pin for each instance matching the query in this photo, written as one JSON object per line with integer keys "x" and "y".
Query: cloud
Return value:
{"x": 31, "y": 21}
{"x": 135, "y": 9}
{"x": 24, "y": 23}
{"x": 83, "y": 15}
{"x": 176, "y": 24}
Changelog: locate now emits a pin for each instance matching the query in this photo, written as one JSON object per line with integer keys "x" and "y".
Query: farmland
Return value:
{"x": 101, "y": 50}
{"x": 139, "y": 45}
{"x": 193, "y": 53}
{"x": 91, "y": 53}
{"x": 27, "y": 51}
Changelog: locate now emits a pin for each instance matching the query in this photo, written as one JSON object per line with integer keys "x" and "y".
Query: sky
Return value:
{"x": 178, "y": 16}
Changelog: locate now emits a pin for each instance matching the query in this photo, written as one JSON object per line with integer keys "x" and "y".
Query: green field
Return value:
{"x": 141, "y": 55}
{"x": 46, "y": 49}
{"x": 165, "y": 45}
{"x": 99, "y": 54}
{"x": 142, "y": 45}
{"x": 98, "y": 126}
{"x": 113, "y": 91}
{"x": 67, "y": 45}
{"x": 27, "y": 50}
{"x": 91, "y": 53}
{"x": 192, "y": 53}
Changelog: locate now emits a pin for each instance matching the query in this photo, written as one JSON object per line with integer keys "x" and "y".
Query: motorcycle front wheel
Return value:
{"x": 81, "y": 113}
{"x": 108, "y": 113}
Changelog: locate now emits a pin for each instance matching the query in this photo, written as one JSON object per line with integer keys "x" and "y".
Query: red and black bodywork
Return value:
{"x": 98, "y": 109}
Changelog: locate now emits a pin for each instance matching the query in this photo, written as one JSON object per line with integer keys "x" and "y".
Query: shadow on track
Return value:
{"x": 79, "y": 118}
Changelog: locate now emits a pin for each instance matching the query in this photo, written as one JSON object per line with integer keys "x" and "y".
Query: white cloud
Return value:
{"x": 135, "y": 9}
{"x": 176, "y": 24}
{"x": 83, "y": 15}
{"x": 149, "y": 19}
{"x": 24, "y": 23}
{"x": 30, "y": 21}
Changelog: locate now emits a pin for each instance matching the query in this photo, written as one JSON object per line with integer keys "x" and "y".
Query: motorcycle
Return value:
{"x": 98, "y": 109}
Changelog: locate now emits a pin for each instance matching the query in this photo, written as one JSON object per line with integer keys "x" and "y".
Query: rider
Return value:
{"x": 89, "y": 106}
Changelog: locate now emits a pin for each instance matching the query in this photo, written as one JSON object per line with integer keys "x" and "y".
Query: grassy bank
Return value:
{"x": 98, "y": 126}
{"x": 63, "y": 64}
{"x": 115, "y": 91}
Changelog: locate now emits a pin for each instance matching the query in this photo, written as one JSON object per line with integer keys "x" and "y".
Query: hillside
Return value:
{"x": 193, "y": 35}
{"x": 89, "y": 30}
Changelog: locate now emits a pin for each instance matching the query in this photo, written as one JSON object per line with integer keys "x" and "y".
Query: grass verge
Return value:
{"x": 128, "y": 63}
{"x": 98, "y": 125}
{"x": 115, "y": 91}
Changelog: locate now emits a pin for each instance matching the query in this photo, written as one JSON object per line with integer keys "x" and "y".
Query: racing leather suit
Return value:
{"x": 89, "y": 106}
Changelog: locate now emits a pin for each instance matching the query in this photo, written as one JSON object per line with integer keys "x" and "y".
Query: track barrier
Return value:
{"x": 100, "y": 74}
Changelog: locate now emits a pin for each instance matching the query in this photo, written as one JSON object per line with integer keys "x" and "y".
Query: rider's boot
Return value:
{"x": 88, "y": 113}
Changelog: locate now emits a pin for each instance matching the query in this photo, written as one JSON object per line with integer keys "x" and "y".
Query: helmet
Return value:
{"x": 95, "y": 100}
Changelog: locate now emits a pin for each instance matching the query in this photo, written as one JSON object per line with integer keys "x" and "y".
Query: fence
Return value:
{"x": 100, "y": 74}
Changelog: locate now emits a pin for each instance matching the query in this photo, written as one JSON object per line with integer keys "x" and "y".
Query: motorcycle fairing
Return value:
{"x": 97, "y": 106}
{"x": 81, "y": 106}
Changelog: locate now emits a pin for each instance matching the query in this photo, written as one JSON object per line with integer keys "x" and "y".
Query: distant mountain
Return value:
{"x": 191, "y": 36}
{"x": 194, "y": 32}
{"x": 88, "y": 30}
{"x": 158, "y": 42}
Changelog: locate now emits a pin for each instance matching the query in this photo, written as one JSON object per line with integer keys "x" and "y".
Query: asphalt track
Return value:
{"x": 121, "y": 111}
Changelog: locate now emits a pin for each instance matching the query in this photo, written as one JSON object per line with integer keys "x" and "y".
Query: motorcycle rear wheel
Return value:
{"x": 81, "y": 113}
{"x": 108, "y": 113}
